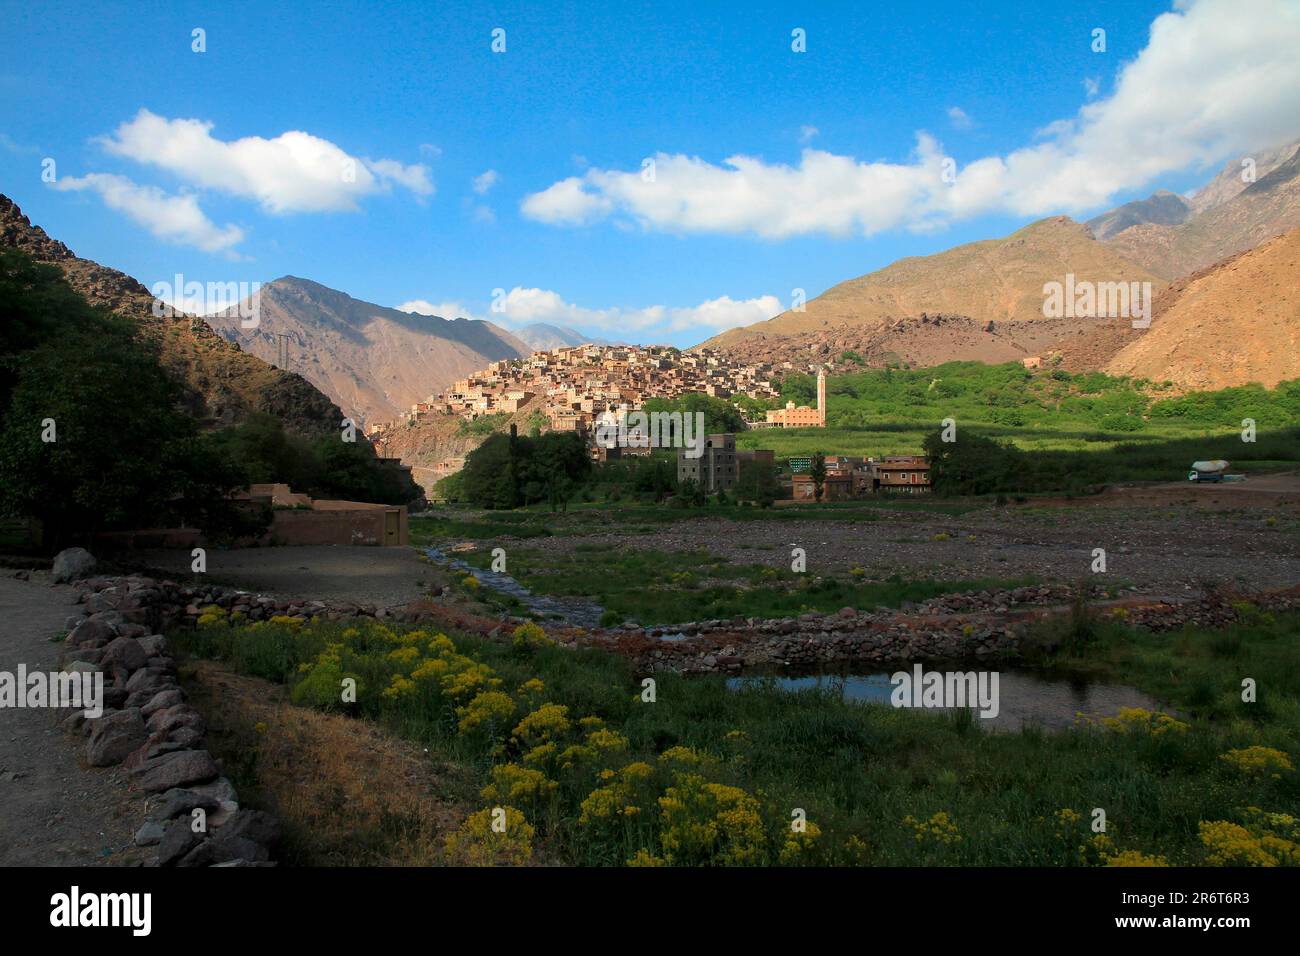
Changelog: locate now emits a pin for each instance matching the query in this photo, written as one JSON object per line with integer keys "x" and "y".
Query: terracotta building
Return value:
{"x": 803, "y": 416}
{"x": 905, "y": 474}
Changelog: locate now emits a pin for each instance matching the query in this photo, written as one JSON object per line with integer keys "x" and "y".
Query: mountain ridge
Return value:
{"x": 1227, "y": 216}
{"x": 221, "y": 384}
{"x": 991, "y": 280}
{"x": 1233, "y": 323}
{"x": 374, "y": 361}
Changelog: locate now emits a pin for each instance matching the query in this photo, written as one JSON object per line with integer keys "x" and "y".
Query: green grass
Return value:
{"x": 1201, "y": 670}
{"x": 657, "y": 587}
{"x": 858, "y": 770}
{"x": 451, "y": 523}
{"x": 454, "y": 524}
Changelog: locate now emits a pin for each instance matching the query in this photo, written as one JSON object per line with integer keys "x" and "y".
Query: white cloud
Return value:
{"x": 485, "y": 181}
{"x": 807, "y": 134}
{"x": 444, "y": 310}
{"x": 294, "y": 172}
{"x": 1212, "y": 82}
{"x": 520, "y": 307}
{"x": 567, "y": 203}
{"x": 959, "y": 119}
{"x": 172, "y": 218}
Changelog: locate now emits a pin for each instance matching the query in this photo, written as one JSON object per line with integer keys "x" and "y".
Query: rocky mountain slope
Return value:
{"x": 438, "y": 438}
{"x": 1226, "y": 217}
{"x": 375, "y": 362}
{"x": 1161, "y": 208}
{"x": 1233, "y": 323}
{"x": 223, "y": 385}
{"x": 993, "y": 281}
{"x": 542, "y": 337}
{"x": 918, "y": 341}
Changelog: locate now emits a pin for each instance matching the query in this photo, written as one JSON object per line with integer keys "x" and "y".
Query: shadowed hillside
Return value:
{"x": 222, "y": 385}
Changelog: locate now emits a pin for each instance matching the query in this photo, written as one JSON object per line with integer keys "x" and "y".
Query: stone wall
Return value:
{"x": 195, "y": 818}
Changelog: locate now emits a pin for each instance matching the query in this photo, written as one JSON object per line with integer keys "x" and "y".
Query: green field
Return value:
{"x": 889, "y": 411}
{"x": 1017, "y": 432}
{"x": 587, "y": 770}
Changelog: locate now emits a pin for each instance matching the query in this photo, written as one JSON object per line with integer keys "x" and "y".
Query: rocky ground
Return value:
{"x": 1166, "y": 548}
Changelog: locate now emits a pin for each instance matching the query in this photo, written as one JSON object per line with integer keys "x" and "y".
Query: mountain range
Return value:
{"x": 1224, "y": 218}
{"x": 990, "y": 283}
{"x": 375, "y": 362}
{"x": 542, "y": 337}
{"x": 1235, "y": 322}
{"x": 984, "y": 300}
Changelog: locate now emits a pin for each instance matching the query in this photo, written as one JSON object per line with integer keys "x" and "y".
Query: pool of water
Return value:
{"x": 1023, "y": 698}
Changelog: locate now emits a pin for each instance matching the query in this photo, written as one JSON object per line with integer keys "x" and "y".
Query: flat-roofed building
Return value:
{"x": 717, "y": 467}
{"x": 802, "y": 416}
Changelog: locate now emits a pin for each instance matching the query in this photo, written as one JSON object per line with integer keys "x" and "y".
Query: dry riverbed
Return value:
{"x": 1167, "y": 549}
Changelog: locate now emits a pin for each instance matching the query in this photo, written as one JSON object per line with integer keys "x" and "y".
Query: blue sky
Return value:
{"x": 842, "y": 145}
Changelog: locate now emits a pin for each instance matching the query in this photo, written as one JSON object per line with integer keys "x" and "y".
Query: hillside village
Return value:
{"x": 572, "y": 386}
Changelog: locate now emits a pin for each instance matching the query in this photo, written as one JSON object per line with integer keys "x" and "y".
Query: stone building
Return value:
{"x": 716, "y": 469}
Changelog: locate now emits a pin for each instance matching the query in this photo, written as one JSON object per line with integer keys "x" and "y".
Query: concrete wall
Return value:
{"x": 376, "y": 525}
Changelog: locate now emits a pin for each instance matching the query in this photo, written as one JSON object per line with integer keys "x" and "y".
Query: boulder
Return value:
{"x": 153, "y": 645}
{"x": 71, "y": 564}
{"x": 172, "y": 718}
{"x": 150, "y": 834}
{"x": 179, "y": 801}
{"x": 188, "y": 737}
{"x": 123, "y": 652}
{"x": 90, "y": 655}
{"x": 203, "y": 854}
{"x": 177, "y": 840}
{"x": 228, "y": 849}
{"x": 253, "y": 825}
{"x": 162, "y": 700}
{"x": 148, "y": 681}
{"x": 92, "y": 632}
{"x": 114, "y": 736}
{"x": 177, "y": 770}
{"x": 115, "y": 698}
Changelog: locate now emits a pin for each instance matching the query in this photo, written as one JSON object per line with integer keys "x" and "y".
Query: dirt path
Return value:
{"x": 385, "y": 577}
{"x": 53, "y": 811}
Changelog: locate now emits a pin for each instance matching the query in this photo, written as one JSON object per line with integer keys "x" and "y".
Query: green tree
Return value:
{"x": 720, "y": 416}
{"x": 756, "y": 482}
{"x": 122, "y": 456}
{"x": 973, "y": 465}
{"x": 818, "y": 473}
{"x": 505, "y": 473}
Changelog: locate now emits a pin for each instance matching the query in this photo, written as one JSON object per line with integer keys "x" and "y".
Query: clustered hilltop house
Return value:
{"x": 571, "y": 387}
